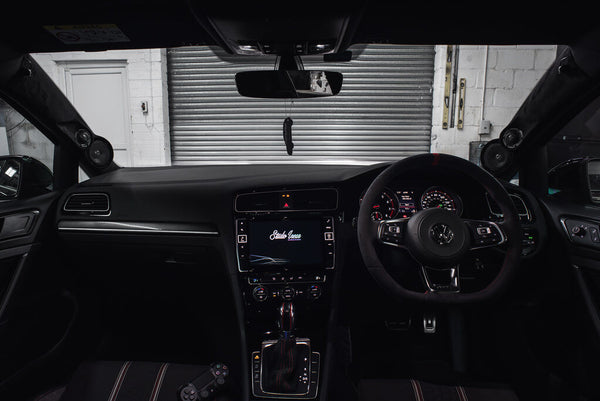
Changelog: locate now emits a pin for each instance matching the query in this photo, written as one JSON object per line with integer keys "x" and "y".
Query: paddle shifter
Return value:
{"x": 286, "y": 362}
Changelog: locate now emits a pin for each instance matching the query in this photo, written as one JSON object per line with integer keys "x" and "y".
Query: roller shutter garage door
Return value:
{"x": 382, "y": 113}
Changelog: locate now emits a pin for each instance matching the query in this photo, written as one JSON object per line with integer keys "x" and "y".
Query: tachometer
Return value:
{"x": 385, "y": 206}
{"x": 436, "y": 197}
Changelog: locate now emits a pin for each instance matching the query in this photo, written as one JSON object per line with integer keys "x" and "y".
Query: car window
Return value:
{"x": 574, "y": 158}
{"x": 180, "y": 106}
{"x": 19, "y": 137}
{"x": 579, "y": 138}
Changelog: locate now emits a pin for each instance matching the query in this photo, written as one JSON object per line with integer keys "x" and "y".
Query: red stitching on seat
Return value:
{"x": 417, "y": 390}
{"x": 462, "y": 394}
{"x": 119, "y": 381}
{"x": 158, "y": 382}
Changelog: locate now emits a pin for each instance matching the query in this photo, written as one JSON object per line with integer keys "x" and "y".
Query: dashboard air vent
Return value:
{"x": 88, "y": 203}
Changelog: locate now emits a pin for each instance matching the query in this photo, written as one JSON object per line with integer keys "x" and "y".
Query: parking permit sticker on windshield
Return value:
{"x": 82, "y": 34}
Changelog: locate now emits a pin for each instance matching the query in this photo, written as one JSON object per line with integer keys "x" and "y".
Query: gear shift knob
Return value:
{"x": 286, "y": 321}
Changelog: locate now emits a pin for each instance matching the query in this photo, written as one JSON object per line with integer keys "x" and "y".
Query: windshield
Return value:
{"x": 180, "y": 106}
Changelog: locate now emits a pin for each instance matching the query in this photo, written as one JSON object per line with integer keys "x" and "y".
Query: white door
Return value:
{"x": 98, "y": 90}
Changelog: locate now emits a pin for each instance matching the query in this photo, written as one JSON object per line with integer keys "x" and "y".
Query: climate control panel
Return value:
{"x": 288, "y": 293}
{"x": 286, "y": 287}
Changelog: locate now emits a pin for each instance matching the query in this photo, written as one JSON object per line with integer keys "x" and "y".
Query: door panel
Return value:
{"x": 581, "y": 282}
{"x": 36, "y": 313}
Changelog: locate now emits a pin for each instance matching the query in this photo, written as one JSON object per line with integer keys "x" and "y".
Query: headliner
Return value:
{"x": 159, "y": 23}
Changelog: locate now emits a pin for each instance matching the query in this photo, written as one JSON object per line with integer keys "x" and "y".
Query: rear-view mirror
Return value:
{"x": 288, "y": 84}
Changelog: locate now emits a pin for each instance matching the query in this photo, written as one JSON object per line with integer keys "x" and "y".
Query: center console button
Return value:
{"x": 314, "y": 292}
{"x": 288, "y": 293}
{"x": 260, "y": 294}
{"x": 318, "y": 277}
{"x": 328, "y": 223}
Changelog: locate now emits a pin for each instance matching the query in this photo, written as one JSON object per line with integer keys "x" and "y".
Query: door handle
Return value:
{"x": 17, "y": 224}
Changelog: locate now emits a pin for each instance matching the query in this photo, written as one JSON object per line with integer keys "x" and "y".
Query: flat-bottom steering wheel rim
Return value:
{"x": 511, "y": 229}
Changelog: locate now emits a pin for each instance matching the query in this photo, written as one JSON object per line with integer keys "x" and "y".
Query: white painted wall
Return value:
{"x": 512, "y": 71}
{"x": 147, "y": 81}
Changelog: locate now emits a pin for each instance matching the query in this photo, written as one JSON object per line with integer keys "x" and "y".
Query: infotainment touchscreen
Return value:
{"x": 285, "y": 243}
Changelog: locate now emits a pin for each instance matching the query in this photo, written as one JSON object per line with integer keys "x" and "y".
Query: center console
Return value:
{"x": 285, "y": 243}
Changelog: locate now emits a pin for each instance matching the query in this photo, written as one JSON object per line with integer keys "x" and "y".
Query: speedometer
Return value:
{"x": 385, "y": 206}
{"x": 436, "y": 197}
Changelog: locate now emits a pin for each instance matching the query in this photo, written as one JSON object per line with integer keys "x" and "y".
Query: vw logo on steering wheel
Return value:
{"x": 441, "y": 234}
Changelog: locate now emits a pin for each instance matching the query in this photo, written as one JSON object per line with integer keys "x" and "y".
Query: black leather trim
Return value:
{"x": 394, "y": 390}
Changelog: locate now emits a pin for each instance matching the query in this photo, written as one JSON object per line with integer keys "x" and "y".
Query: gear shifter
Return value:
{"x": 286, "y": 362}
{"x": 286, "y": 320}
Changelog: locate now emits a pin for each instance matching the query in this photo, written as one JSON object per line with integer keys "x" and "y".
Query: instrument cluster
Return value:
{"x": 403, "y": 203}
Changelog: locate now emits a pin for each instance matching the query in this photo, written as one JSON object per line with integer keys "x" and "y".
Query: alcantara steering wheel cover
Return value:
{"x": 367, "y": 237}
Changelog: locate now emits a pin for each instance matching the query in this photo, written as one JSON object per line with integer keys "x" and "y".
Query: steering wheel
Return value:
{"x": 437, "y": 238}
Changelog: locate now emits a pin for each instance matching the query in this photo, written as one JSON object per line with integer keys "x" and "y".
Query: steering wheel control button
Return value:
{"x": 485, "y": 234}
{"x": 484, "y": 230}
{"x": 392, "y": 231}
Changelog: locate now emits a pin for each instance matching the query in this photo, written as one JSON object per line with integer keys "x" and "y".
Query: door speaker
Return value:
{"x": 100, "y": 153}
{"x": 495, "y": 158}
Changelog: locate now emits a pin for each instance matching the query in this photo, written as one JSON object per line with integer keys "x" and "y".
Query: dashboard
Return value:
{"x": 282, "y": 233}
{"x": 202, "y": 200}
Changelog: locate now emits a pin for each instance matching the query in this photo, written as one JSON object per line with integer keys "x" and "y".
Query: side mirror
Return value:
{"x": 593, "y": 180}
{"x": 576, "y": 179}
{"x": 23, "y": 177}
